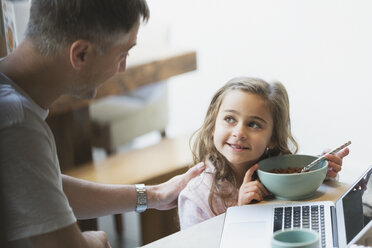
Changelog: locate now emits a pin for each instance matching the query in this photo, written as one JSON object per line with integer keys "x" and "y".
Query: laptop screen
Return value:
{"x": 357, "y": 205}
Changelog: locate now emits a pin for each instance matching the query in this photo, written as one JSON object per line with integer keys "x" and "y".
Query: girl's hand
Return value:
{"x": 335, "y": 162}
{"x": 251, "y": 190}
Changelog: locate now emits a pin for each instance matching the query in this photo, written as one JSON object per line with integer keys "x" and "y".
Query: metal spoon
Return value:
{"x": 316, "y": 161}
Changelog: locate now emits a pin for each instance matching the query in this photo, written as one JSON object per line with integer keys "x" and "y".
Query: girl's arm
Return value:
{"x": 189, "y": 212}
{"x": 193, "y": 205}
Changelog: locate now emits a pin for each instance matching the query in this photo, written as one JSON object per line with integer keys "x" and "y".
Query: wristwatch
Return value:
{"x": 141, "y": 205}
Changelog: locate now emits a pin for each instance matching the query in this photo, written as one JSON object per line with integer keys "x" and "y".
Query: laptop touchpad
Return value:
{"x": 241, "y": 234}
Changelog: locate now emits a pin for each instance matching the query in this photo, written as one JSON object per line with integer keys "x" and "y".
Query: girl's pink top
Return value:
{"x": 193, "y": 205}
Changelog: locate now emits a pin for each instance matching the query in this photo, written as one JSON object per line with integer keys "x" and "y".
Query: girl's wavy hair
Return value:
{"x": 203, "y": 148}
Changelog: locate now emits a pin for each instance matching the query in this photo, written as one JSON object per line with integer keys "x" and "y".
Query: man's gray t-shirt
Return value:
{"x": 30, "y": 174}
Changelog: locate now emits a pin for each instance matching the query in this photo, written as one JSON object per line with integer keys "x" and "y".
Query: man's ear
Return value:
{"x": 80, "y": 50}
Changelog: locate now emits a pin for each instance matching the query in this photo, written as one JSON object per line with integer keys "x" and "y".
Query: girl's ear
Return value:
{"x": 271, "y": 145}
{"x": 79, "y": 53}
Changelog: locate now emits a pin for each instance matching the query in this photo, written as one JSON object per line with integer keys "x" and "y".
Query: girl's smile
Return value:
{"x": 236, "y": 147}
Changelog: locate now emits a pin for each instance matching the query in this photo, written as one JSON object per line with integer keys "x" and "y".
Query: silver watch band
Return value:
{"x": 141, "y": 205}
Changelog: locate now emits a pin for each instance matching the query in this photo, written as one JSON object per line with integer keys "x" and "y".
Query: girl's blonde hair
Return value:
{"x": 276, "y": 97}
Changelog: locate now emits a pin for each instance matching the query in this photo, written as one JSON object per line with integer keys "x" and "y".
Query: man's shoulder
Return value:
{"x": 11, "y": 108}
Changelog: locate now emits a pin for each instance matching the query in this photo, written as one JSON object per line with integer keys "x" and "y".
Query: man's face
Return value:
{"x": 102, "y": 67}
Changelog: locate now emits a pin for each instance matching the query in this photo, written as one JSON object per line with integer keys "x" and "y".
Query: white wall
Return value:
{"x": 321, "y": 50}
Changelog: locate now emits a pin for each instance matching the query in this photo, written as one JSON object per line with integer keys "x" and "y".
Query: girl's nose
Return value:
{"x": 239, "y": 132}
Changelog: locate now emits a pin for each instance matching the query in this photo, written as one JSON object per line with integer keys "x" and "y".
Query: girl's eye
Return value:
{"x": 254, "y": 125}
{"x": 229, "y": 119}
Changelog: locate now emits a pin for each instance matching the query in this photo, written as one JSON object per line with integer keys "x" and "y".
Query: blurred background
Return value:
{"x": 320, "y": 50}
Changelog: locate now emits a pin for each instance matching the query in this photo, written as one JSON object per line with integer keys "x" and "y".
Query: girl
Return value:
{"x": 247, "y": 121}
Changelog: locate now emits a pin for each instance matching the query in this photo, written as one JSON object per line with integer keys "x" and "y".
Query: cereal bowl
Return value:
{"x": 294, "y": 186}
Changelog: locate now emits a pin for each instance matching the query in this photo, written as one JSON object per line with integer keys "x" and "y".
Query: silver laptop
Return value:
{"x": 337, "y": 223}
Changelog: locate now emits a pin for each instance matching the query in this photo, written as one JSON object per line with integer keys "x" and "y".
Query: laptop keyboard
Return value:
{"x": 311, "y": 217}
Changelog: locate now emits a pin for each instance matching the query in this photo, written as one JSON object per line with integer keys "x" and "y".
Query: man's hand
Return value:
{"x": 96, "y": 239}
{"x": 164, "y": 196}
{"x": 251, "y": 190}
{"x": 71, "y": 237}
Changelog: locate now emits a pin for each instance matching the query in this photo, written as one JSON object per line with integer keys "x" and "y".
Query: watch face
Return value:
{"x": 142, "y": 200}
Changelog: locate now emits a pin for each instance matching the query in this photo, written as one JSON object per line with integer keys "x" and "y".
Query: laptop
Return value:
{"x": 338, "y": 223}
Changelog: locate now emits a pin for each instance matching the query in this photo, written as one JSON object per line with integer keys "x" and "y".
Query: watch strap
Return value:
{"x": 141, "y": 204}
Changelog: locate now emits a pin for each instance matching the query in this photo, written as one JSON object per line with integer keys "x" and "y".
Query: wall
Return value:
{"x": 321, "y": 50}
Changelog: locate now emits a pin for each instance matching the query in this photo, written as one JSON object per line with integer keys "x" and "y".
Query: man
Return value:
{"x": 71, "y": 47}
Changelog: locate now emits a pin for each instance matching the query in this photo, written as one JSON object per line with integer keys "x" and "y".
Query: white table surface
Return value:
{"x": 208, "y": 233}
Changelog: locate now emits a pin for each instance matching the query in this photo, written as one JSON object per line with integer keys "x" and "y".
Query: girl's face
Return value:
{"x": 243, "y": 128}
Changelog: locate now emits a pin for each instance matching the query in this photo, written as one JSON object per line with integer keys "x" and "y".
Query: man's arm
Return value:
{"x": 71, "y": 237}
{"x": 92, "y": 200}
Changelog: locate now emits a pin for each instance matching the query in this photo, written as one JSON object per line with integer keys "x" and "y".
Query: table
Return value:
{"x": 208, "y": 233}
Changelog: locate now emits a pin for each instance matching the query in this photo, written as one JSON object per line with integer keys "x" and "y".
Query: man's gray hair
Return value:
{"x": 54, "y": 24}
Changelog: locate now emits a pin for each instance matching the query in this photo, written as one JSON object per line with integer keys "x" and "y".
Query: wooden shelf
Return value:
{"x": 139, "y": 165}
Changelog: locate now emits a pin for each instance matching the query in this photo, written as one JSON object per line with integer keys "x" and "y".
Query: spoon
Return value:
{"x": 316, "y": 161}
